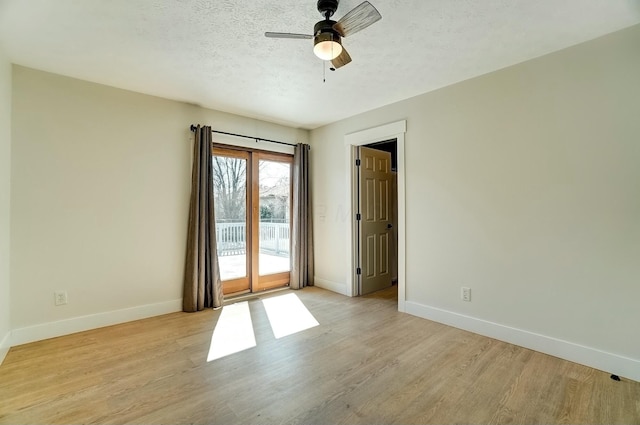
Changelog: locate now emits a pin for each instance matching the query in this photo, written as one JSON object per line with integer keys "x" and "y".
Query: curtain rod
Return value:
{"x": 257, "y": 139}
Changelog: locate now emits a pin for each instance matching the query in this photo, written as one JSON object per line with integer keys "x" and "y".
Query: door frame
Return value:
{"x": 395, "y": 130}
{"x": 257, "y": 283}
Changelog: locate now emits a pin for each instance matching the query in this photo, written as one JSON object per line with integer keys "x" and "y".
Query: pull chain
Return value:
{"x": 324, "y": 71}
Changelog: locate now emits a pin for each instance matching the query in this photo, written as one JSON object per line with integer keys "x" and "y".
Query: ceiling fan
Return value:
{"x": 327, "y": 34}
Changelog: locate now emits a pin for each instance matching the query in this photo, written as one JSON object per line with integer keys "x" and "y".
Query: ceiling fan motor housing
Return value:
{"x": 327, "y": 43}
{"x": 328, "y": 7}
{"x": 326, "y": 27}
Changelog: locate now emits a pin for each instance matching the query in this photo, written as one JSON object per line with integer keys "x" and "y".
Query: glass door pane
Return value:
{"x": 274, "y": 189}
{"x": 230, "y": 206}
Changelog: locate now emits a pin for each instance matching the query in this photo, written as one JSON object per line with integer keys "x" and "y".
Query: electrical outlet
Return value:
{"x": 465, "y": 294}
{"x": 60, "y": 297}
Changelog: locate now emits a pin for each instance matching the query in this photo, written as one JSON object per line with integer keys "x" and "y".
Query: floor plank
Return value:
{"x": 365, "y": 363}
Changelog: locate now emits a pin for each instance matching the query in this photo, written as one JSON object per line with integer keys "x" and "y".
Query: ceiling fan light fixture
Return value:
{"x": 327, "y": 46}
{"x": 327, "y": 34}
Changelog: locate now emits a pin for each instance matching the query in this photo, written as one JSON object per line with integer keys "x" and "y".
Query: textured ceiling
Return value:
{"x": 214, "y": 53}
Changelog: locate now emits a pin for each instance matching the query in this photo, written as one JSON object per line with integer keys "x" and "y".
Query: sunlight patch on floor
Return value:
{"x": 233, "y": 332}
{"x": 288, "y": 315}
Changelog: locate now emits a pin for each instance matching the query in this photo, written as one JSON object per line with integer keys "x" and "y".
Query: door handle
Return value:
{"x": 389, "y": 225}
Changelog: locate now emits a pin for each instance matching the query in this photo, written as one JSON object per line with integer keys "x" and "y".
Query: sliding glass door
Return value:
{"x": 230, "y": 197}
{"x": 252, "y": 195}
{"x": 272, "y": 200}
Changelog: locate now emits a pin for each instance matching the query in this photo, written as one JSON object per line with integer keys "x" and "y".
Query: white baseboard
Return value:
{"x": 340, "y": 288}
{"x": 592, "y": 357}
{"x": 84, "y": 323}
{"x": 5, "y": 345}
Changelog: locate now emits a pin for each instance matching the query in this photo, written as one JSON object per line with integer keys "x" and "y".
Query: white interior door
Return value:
{"x": 375, "y": 223}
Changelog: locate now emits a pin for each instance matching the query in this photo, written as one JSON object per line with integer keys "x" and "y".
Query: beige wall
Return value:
{"x": 100, "y": 191}
{"x": 523, "y": 184}
{"x": 5, "y": 178}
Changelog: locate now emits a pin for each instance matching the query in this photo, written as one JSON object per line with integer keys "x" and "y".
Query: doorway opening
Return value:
{"x": 376, "y": 221}
{"x": 395, "y": 130}
{"x": 252, "y": 202}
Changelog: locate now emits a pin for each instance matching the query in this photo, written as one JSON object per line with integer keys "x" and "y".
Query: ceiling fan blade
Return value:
{"x": 287, "y": 35}
{"x": 342, "y": 59}
{"x": 357, "y": 19}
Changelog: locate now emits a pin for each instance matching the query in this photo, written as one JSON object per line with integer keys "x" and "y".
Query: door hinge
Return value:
{"x": 357, "y": 162}
{"x": 358, "y": 271}
{"x": 358, "y": 216}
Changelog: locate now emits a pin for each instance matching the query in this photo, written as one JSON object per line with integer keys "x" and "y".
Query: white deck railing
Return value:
{"x": 231, "y": 238}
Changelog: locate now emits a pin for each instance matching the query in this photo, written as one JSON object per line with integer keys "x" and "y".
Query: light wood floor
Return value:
{"x": 364, "y": 364}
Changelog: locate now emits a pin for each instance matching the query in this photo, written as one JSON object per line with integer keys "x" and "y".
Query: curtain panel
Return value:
{"x": 302, "y": 228}
{"x": 202, "y": 284}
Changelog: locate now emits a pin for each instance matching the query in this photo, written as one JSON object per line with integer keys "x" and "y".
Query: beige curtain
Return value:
{"x": 301, "y": 229}
{"x": 202, "y": 285}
